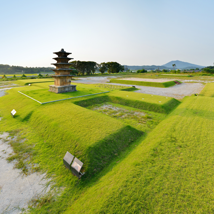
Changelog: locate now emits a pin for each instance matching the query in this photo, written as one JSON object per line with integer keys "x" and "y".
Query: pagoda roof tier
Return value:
{"x": 67, "y": 58}
{"x": 62, "y": 52}
{"x": 61, "y": 63}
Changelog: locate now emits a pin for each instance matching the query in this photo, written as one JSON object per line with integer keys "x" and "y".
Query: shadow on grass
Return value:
{"x": 106, "y": 150}
{"x": 27, "y": 117}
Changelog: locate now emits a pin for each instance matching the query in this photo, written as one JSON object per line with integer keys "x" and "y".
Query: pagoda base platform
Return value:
{"x": 62, "y": 89}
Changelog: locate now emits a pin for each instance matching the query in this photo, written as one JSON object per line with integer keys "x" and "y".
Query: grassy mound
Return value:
{"x": 208, "y": 90}
{"x": 136, "y": 100}
{"x": 152, "y": 84}
{"x": 94, "y": 138}
{"x": 171, "y": 171}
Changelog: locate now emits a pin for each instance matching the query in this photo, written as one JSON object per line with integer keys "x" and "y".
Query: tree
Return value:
{"x": 209, "y": 69}
{"x": 173, "y": 65}
{"x": 84, "y": 67}
{"x": 90, "y": 67}
{"x": 142, "y": 71}
{"x": 39, "y": 75}
{"x": 103, "y": 67}
{"x": 73, "y": 72}
{"x": 114, "y": 67}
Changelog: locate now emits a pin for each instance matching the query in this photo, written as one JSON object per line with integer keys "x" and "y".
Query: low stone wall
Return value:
{"x": 62, "y": 89}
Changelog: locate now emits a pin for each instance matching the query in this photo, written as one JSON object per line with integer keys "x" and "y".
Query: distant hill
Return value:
{"x": 179, "y": 65}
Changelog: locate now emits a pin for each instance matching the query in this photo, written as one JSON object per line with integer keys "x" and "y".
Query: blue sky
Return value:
{"x": 131, "y": 32}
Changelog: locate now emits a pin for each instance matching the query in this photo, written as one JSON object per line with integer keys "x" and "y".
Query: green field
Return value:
{"x": 151, "y": 84}
{"x": 208, "y": 90}
{"x": 39, "y": 90}
{"x": 43, "y": 95}
{"x": 142, "y": 153}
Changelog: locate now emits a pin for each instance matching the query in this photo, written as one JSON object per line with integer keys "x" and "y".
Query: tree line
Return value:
{"x": 7, "y": 69}
{"x": 79, "y": 68}
{"x": 90, "y": 67}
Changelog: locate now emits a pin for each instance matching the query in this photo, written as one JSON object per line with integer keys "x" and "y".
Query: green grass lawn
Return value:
{"x": 171, "y": 171}
{"x": 152, "y": 84}
{"x": 39, "y": 90}
{"x": 43, "y": 95}
{"x": 34, "y": 81}
{"x": 208, "y": 90}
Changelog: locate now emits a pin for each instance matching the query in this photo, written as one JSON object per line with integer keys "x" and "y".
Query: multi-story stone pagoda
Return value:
{"x": 62, "y": 77}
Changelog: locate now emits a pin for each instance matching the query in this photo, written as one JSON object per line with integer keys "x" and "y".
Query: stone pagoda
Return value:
{"x": 62, "y": 77}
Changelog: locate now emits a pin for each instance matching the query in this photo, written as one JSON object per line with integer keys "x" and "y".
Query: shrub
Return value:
{"x": 141, "y": 71}
{"x": 40, "y": 76}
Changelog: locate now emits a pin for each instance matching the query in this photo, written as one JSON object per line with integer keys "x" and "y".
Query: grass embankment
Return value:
{"x": 81, "y": 136}
{"x": 152, "y": 84}
{"x": 115, "y": 87}
{"x": 136, "y": 100}
{"x": 208, "y": 90}
{"x": 51, "y": 130}
{"x": 171, "y": 171}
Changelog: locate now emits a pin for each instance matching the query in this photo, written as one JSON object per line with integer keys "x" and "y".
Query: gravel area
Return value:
{"x": 16, "y": 189}
{"x": 94, "y": 80}
{"x": 177, "y": 91}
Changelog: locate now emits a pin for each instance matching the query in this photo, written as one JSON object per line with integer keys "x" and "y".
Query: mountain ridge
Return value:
{"x": 179, "y": 65}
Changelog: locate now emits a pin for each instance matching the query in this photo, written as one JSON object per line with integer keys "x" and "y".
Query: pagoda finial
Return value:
{"x": 62, "y": 50}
